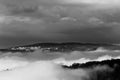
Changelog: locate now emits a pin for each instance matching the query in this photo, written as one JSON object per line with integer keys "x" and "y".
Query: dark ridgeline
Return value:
{"x": 62, "y": 47}
{"x": 97, "y": 70}
{"x": 111, "y": 63}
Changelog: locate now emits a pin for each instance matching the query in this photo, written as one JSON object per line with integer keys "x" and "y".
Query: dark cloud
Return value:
{"x": 28, "y": 21}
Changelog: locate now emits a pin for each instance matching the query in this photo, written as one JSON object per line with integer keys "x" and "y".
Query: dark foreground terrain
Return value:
{"x": 104, "y": 70}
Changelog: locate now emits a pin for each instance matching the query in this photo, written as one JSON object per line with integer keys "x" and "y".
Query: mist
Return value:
{"x": 39, "y": 65}
{"x": 38, "y": 70}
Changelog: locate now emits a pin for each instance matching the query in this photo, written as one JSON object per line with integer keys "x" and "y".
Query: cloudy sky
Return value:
{"x": 31, "y": 21}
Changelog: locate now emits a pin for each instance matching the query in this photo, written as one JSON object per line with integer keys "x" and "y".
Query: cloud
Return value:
{"x": 88, "y": 56}
{"x": 34, "y": 71}
{"x": 31, "y": 21}
{"x": 23, "y": 66}
{"x": 7, "y": 63}
{"x": 37, "y": 70}
{"x": 84, "y": 60}
{"x": 93, "y": 1}
{"x": 96, "y": 21}
{"x": 9, "y": 19}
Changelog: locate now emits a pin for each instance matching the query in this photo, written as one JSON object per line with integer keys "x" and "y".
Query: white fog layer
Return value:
{"x": 48, "y": 66}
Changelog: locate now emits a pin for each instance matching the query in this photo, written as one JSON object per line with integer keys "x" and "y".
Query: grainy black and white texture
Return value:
{"x": 31, "y": 21}
{"x": 59, "y": 39}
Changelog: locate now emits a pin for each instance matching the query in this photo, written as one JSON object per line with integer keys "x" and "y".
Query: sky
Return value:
{"x": 31, "y": 21}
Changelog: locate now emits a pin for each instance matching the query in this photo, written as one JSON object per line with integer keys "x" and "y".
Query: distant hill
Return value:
{"x": 62, "y": 47}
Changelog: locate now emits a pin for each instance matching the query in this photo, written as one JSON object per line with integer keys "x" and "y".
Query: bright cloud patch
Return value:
{"x": 9, "y": 64}
{"x": 47, "y": 66}
{"x": 94, "y": 1}
{"x": 8, "y": 19}
{"x": 84, "y": 60}
{"x": 40, "y": 70}
{"x": 34, "y": 71}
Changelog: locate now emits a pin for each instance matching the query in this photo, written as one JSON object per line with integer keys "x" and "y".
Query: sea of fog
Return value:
{"x": 48, "y": 66}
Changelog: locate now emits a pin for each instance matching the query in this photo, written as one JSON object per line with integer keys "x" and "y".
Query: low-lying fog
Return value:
{"x": 48, "y": 66}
